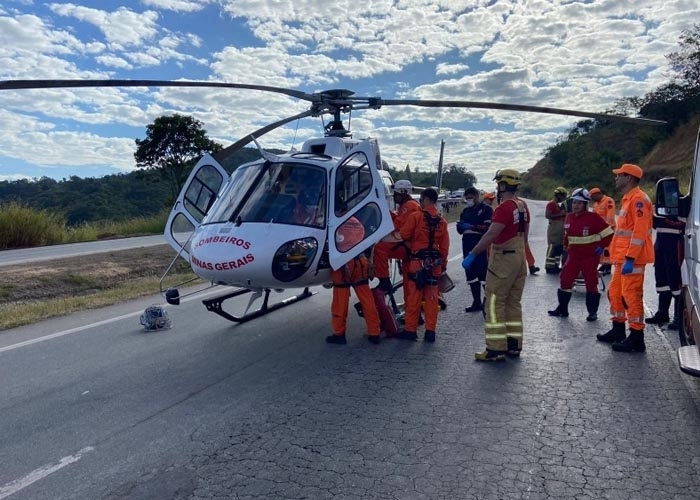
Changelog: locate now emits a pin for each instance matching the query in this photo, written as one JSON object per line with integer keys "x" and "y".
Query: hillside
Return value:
{"x": 587, "y": 158}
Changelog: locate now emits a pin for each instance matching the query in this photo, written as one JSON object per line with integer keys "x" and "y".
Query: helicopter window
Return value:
{"x": 234, "y": 193}
{"x": 353, "y": 183}
{"x": 201, "y": 193}
{"x": 288, "y": 193}
{"x": 358, "y": 227}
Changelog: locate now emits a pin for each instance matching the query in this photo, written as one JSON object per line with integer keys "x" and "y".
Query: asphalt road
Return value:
{"x": 24, "y": 255}
{"x": 91, "y": 407}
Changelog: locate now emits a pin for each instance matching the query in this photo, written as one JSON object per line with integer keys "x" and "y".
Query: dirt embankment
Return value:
{"x": 83, "y": 275}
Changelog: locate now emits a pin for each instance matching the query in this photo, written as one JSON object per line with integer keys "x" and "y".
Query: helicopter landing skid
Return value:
{"x": 214, "y": 305}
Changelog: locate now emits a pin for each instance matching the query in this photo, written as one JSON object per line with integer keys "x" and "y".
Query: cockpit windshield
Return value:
{"x": 285, "y": 193}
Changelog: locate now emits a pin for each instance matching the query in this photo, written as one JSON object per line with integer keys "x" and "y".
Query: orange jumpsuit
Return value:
{"x": 354, "y": 274}
{"x": 416, "y": 233}
{"x": 606, "y": 209}
{"x": 383, "y": 251}
{"x": 632, "y": 239}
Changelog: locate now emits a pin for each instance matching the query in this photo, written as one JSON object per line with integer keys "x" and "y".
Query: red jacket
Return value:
{"x": 586, "y": 232}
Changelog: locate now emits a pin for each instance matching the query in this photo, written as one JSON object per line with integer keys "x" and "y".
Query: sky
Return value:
{"x": 584, "y": 55}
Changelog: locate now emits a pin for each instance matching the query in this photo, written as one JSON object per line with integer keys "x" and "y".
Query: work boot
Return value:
{"x": 429, "y": 336}
{"x": 489, "y": 355}
{"x": 384, "y": 285}
{"x": 374, "y": 339}
{"x": 552, "y": 270}
{"x": 513, "y": 349}
{"x": 633, "y": 343}
{"x": 442, "y": 303}
{"x": 592, "y": 303}
{"x": 661, "y": 315}
{"x": 336, "y": 339}
{"x": 615, "y": 334}
{"x": 604, "y": 269}
{"x": 476, "y": 293}
{"x": 562, "y": 309}
{"x": 534, "y": 269}
{"x": 403, "y": 334}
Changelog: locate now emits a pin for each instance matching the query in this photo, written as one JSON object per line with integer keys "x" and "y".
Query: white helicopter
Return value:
{"x": 273, "y": 224}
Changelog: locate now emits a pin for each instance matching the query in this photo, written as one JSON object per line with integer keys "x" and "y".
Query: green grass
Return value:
{"x": 24, "y": 227}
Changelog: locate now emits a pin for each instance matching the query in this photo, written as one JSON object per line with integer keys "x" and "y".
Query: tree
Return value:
{"x": 686, "y": 62}
{"x": 172, "y": 146}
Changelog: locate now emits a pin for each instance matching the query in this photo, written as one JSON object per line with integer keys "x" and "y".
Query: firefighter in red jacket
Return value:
{"x": 426, "y": 234}
{"x": 355, "y": 274}
{"x": 631, "y": 250}
{"x": 505, "y": 281}
{"x": 385, "y": 250}
{"x": 586, "y": 235}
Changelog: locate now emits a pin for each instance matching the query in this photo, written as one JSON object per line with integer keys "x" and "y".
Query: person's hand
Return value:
{"x": 468, "y": 260}
{"x": 599, "y": 250}
{"x": 628, "y": 266}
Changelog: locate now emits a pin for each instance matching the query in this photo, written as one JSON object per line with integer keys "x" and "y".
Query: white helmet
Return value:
{"x": 581, "y": 194}
{"x": 403, "y": 186}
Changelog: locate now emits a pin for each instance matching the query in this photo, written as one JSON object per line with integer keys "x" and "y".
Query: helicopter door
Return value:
{"x": 359, "y": 212}
{"x": 193, "y": 203}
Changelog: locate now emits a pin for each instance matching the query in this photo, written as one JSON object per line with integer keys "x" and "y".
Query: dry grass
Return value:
{"x": 42, "y": 290}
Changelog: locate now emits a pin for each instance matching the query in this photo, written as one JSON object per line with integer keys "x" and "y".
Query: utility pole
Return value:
{"x": 438, "y": 181}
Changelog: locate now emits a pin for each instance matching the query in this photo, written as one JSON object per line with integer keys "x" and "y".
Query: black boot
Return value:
{"x": 513, "y": 348}
{"x": 476, "y": 293}
{"x": 661, "y": 316}
{"x": 633, "y": 343}
{"x": 604, "y": 269}
{"x": 615, "y": 334}
{"x": 562, "y": 309}
{"x": 592, "y": 303}
{"x": 534, "y": 269}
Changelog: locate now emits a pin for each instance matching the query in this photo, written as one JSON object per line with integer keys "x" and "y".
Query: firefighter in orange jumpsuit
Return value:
{"x": 505, "y": 281}
{"x": 385, "y": 250}
{"x": 631, "y": 250}
{"x": 604, "y": 206}
{"x": 586, "y": 234}
{"x": 355, "y": 274}
{"x": 426, "y": 234}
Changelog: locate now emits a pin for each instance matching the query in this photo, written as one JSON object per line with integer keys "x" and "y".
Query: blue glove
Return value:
{"x": 468, "y": 260}
{"x": 599, "y": 250}
{"x": 628, "y": 266}
{"x": 463, "y": 226}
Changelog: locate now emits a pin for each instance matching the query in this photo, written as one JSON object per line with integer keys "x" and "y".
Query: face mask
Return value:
{"x": 470, "y": 203}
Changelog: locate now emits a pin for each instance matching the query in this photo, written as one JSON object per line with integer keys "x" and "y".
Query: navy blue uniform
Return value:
{"x": 479, "y": 217}
{"x": 668, "y": 253}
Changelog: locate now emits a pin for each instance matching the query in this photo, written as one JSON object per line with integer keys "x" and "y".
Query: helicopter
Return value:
{"x": 276, "y": 223}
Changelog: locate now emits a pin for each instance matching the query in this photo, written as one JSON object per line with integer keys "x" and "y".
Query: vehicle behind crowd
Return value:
{"x": 670, "y": 202}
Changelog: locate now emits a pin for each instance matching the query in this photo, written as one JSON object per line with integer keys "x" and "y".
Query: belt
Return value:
{"x": 508, "y": 251}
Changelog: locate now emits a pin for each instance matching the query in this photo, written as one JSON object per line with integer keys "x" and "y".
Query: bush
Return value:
{"x": 21, "y": 226}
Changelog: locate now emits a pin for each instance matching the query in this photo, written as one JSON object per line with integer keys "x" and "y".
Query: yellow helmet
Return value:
{"x": 561, "y": 190}
{"x": 509, "y": 176}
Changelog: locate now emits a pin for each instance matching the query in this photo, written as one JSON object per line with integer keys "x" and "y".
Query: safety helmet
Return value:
{"x": 509, "y": 176}
{"x": 155, "y": 318}
{"x": 561, "y": 190}
{"x": 403, "y": 186}
{"x": 581, "y": 194}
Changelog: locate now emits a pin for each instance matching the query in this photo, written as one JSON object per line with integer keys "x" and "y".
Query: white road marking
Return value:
{"x": 40, "y": 473}
{"x": 92, "y": 325}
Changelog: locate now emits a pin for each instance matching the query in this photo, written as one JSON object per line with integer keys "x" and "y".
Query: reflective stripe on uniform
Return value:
{"x": 622, "y": 232}
{"x": 669, "y": 231}
{"x": 584, "y": 240}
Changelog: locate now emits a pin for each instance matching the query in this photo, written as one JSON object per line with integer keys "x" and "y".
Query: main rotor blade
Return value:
{"x": 512, "y": 107}
{"x": 220, "y": 156}
{"x": 52, "y": 84}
